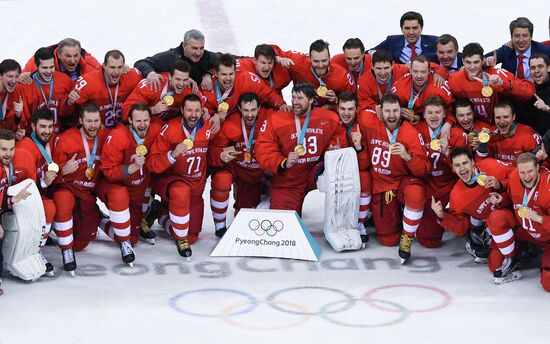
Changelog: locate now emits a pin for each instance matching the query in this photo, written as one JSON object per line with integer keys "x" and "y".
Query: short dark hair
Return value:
{"x": 318, "y": 46}
{"x": 305, "y": 88}
{"x": 445, "y": 39}
{"x": 382, "y": 56}
{"x": 411, "y": 15}
{"x": 115, "y": 54}
{"x": 461, "y": 151}
{"x": 503, "y": 103}
{"x": 472, "y": 49}
{"x": 434, "y": 101}
{"x": 463, "y": 102}
{"x": 88, "y": 107}
{"x": 42, "y": 54}
{"x": 390, "y": 98}
{"x": 348, "y": 96}
{"x": 9, "y": 65}
{"x": 421, "y": 59}
{"x": 6, "y": 134}
{"x": 226, "y": 60}
{"x": 523, "y": 23}
{"x": 354, "y": 43}
{"x": 181, "y": 66}
{"x": 249, "y": 97}
{"x": 542, "y": 56}
{"x": 139, "y": 107}
{"x": 45, "y": 114}
{"x": 265, "y": 50}
{"x": 191, "y": 98}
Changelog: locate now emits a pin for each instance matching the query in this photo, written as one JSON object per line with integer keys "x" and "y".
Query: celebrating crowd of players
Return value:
{"x": 444, "y": 139}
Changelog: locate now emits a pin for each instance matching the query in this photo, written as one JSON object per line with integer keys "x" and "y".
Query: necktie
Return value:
{"x": 520, "y": 73}
{"x": 413, "y": 51}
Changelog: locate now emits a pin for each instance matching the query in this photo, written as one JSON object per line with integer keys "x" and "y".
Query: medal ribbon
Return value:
{"x": 392, "y": 136}
{"x": 436, "y": 132}
{"x": 321, "y": 82}
{"x": 41, "y": 148}
{"x": 301, "y": 131}
{"x": 248, "y": 140}
{"x": 113, "y": 103}
{"x": 165, "y": 91}
{"x": 38, "y": 83}
{"x": 10, "y": 174}
{"x": 270, "y": 81}
{"x": 4, "y": 106}
{"x": 192, "y": 135}
{"x": 89, "y": 157}
{"x": 527, "y": 197}
{"x": 219, "y": 97}
{"x": 348, "y": 130}
{"x": 485, "y": 81}
{"x": 414, "y": 97}
{"x": 475, "y": 176}
{"x": 138, "y": 139}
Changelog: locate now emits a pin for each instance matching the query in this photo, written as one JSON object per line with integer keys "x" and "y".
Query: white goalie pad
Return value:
{"x": 342, "y": 187}
{"x": 23, "y": 230}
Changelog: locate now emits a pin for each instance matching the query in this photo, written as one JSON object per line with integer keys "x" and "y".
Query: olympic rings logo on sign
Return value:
{"x": 265, "y": 227}
{"x": 337, "y": 303}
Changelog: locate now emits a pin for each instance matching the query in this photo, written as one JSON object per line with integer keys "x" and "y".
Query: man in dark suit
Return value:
{"x": 411, "y": 43}
{"x": 515, "y": 55}
{"x": 447, "y": 55}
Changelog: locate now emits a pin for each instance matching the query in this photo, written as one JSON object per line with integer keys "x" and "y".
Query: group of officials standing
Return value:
{"x": 445, "y": 140}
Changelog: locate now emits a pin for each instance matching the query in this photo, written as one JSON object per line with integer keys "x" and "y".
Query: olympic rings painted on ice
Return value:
{"x": 343, "y": 303}
{"x": 227, "y": 317}
{"x": 266, "y": 227}
{"x": 446, "y": 297}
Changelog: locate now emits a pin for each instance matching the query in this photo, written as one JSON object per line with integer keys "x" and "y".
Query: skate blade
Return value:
{"x": 404, "y": 261}
{"x": 72, "y": 273}
{"x": 515, "y": 275}
{"x": 364, "y": 246}
{"x": 131, "y": 265}
{"x": 480, "y": 260}
{"x": 189, "y": 259}
{"x": 149, "y": 241}
{"x": 49, "y": 274}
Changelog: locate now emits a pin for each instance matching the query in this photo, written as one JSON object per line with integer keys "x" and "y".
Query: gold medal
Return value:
{"x": 188, "y": 144}
{"x": 300, "y": 150}
{"x": 247, "y": 157}
{"x": 522, "y": 211}
{"x": 482, "y": 179}
{"x": 168, "y": 99}
{"x": 411, "y": 114}
{"x": 486, "y": 91}
{"x": 322, "y": 91}
{"x": 89, "y": 173}
{"x": 141, "y": 150}
{"x": 435, "y": 144}
{"x": 484, "y": 137}
{"x": 223, "y": 106}
{"x": 53, "y": 167}
{"x": 390, "y": 147}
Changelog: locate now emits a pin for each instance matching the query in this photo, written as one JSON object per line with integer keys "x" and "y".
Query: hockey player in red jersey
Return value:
{"x": 354, "y": 59}
{"x": 165, "y": 103}
{"x": 291, "y": 144}
{"x": 123, "y": 187}
{"x": 528, "y": 221}
{"x": 234, "y": 151}
{"x": 484, "y": 86}
{"x": 398, "y": 160}
{"x": 40, "y": 145}
{"x": 178, "y": 157}
{"x": 380, "y": 80}
{"x": 107, "y": 88}
{"x": 469, "y": 202}
{"x": 465, "y": 132}
{"x": 511, "y": 139}
{"x": 49, "y": 89}
{"x": 11, "y": 109}
{"x": 327, "y": 77}
{"x": 78, "y": 152}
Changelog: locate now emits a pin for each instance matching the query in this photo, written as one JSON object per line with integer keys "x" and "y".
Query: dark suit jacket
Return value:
{"x": 395, "y": 43}
{"x": 507, "y": 56}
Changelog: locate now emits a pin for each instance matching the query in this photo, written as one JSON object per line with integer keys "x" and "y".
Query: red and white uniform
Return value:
{"x": 73, "y": 194}
{"x": 507, "y": 226}
{"x": 525, "y": 139}
{"x": 459, "y": 136}
{"x": 126, "y": 196}
{"x": 23, "y": 168}
{"x": 369, "y": 91}
{"x": 278, "y": 136}
{"x": 93, "y": 88}
{"x": 7, "y": 118}
{"x": 277, "y": 80}
{"x": 86, "y": 64}
{"x": 35, "y": 98}
{"x": 462, "y": 86}
{"x": 244, "y": 82}
{"x": 364, "y": 68}
{"x": 391, "y": 173}
{"x": 180, "y": 182}
{"x": 143, "y": 93}
{"x": 337, "y": 79}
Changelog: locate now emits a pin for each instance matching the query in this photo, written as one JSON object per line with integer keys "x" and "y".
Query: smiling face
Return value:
{"x": 528, "y": 174}
{"x": 263, "y": 66}
{"x": 382, "y": 71}
{"x": 521, "y": 39}
{"x": 7, "y": 148}
{"x": 391, "y": 115}
{"x": 473, "y": 65}
{"x": 420, "y": 72}
{"x": 463, "y": 167}
{"x": 249, "y": 112}
{"x": 300, "y": 103}
{"x": 9, "y": 80}
{"x": 193, "y": 49}
{"x": 465, "y": 117}
{"x": 91, "y": 122}
{"x": 179, "y": 81}
{"x": 539, "y": 70}
{"x": 412, "y": 30}
{"x": 320, "y": 61}
{"x": 504, "y": 119}
{"x": 434, "y": 115}
{"x": 69, "y": 57}
{"x": 226, "y": 76}
{"x": 347, "y": 110}
{"x": 446, "y": 54}
{"x": 140, "y": 121}
{"x": 354, "y": 57}
{"x": 192, "y": 112}
{"x": 43, "y": 129}
{"x": 113, "y": 69}
{"x": 46, "y": 69}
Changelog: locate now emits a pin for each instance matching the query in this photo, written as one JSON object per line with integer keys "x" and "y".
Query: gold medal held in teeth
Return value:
{"x": 89, "y": 173}
{"x": 486, "y": 91}
{"x": 522, "y": 212}
{"x": 481, "y": 179}
{"x": 322, "y": 91}
{"x": 223, "y": 106}
{"x": 141, "y": 150}
{"x": 53, "y": 167}
{"x": 435, "y": 144}
{"x": 300, "y": 150}
{"x": 188, "y": 144}
{"x": 168, "y": 100}
{"x": 484, "y": 137}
